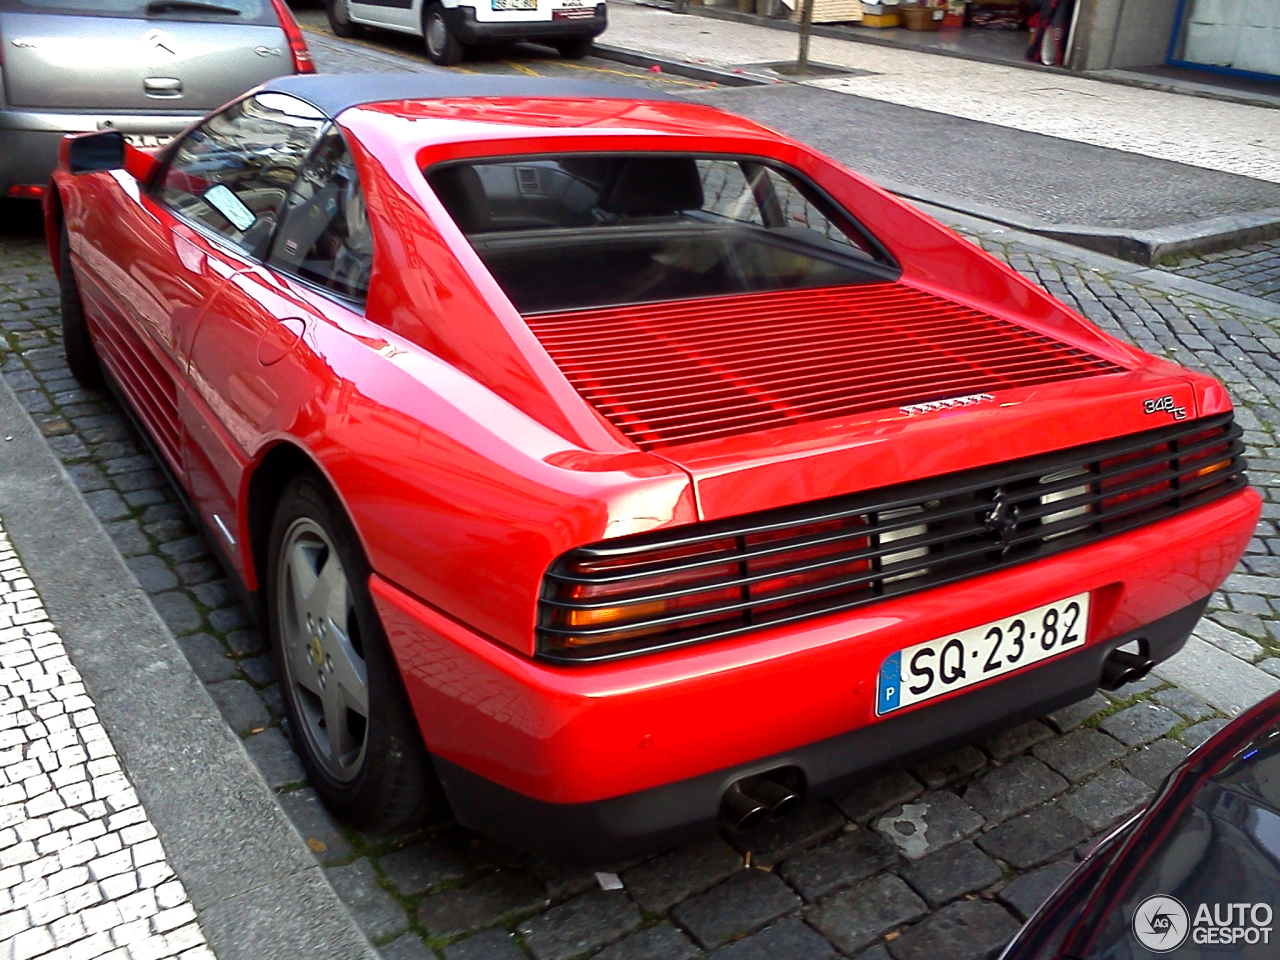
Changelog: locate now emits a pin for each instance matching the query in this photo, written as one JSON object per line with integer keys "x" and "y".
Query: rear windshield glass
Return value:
{"x": 233, "y": 11}
{"x": 578, "y": 231}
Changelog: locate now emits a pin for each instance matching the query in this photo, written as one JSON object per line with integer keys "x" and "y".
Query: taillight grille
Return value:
{"x": 673, "y": 373}
{"x": 716, "y": 579}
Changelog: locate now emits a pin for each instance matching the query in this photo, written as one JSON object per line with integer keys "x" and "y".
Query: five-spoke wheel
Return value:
{"x": 348, "y": 713}
{"x": 326, "y": 674}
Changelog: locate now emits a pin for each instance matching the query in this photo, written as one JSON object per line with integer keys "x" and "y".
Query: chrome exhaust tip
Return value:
{"x": 1122, "y": 667}
{"x": 739, "y": 810}
{"x": 776, "y": 798}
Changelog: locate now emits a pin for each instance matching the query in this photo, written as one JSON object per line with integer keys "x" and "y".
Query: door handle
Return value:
{"x": 162, "y": 88}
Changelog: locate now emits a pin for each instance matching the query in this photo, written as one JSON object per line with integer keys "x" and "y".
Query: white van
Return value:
{"x": 450, "y": 26}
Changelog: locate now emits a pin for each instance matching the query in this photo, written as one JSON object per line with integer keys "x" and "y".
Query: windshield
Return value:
{"x": 580, "y": 231}
{"x": 233, "y": 11}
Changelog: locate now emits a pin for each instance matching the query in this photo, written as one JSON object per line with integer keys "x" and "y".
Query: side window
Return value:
{"x": 797, "y": 211}
{"x": 324, "y": 235}
{"x": 231, "y": 173}
{"x": 727, "y": 193}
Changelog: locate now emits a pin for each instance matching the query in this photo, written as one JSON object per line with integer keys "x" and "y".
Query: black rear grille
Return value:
{"x": 716, "y": 579}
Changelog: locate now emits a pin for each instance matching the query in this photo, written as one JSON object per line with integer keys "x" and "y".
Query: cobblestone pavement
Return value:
{"x": 82, "y": 873}
{"x": 1252, "y": 269}
{"x": 1006, "y": 816}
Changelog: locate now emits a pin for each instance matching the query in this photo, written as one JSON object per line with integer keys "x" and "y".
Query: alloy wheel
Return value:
{"x": 327, "y": 678}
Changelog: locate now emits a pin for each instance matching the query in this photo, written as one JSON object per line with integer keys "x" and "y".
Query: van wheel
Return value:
{"x": 76, "y": 344}
{"x": 339, "y": 13}
{"x": 443, "y": 47}
{"x": 574, "y": 48}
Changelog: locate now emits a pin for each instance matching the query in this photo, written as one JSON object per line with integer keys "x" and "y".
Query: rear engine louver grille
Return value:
{"x": 671, "y": 373}
{"x": 721, "y": 578}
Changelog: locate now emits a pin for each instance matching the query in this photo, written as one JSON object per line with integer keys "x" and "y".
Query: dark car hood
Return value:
{"x": 1211, "y": 837}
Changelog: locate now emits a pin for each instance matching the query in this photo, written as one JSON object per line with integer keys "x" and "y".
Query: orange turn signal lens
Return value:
{"x": 1212, "y": 468}
{"x": 597, "y": 616}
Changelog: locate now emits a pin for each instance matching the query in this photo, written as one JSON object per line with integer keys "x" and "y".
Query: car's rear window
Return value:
{"x": 577, "y": 231}
{"x": 233, "y": 11}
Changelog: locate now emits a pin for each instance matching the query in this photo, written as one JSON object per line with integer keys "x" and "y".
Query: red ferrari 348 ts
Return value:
{"x": 615, "y": 463}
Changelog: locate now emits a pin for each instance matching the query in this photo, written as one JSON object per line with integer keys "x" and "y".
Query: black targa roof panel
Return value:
{"x": 333, "y": 93}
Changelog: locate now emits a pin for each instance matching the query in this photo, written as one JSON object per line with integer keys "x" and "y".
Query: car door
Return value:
{"x": 252, "y": 366}
{"x": 390, "y": 14}
{"x": 206, "y": 215}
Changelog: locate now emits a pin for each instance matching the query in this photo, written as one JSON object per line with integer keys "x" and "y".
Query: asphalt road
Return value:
{"x": 1053, "y": 180}
{"x": 994, "y": 171}
{"x": 380, "y": 50}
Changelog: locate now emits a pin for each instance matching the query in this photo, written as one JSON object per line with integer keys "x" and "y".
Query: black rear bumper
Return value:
{"x": 464, "y": 25}
{"x": 650, "y": 820}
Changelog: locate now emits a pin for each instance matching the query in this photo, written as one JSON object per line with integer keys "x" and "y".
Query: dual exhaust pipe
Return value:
{"x": 751, "y": 800}
{"x": 1122, "y": 667}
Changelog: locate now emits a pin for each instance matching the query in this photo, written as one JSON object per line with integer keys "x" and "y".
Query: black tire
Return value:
{"x": 395, "y": 783}
{"x": 339, "y": 14}
{"x": 574, "y": 48}
{"x": 76, "y": 342}
{"x": 443, "y": 48}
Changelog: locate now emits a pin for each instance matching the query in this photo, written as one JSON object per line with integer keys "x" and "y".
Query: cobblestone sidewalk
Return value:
{"x": 82, "y": 873}
{"x": 1252, "y": 269}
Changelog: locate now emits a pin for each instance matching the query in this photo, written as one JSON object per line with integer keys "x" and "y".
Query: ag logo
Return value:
{"x": 1164, "y": 405}
{"x": 1160, "y": 923}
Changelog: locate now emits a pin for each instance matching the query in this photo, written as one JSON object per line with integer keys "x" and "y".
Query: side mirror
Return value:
{"x": 91, "y": 152}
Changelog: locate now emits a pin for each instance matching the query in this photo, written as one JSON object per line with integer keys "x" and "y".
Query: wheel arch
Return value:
{"x": 267, "y": 479}
{"x": 53, "y": 218}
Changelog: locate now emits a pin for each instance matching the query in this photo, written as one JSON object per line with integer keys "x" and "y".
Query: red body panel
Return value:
{"x": 468, "y": 461}
{"x": 576, "y": 734}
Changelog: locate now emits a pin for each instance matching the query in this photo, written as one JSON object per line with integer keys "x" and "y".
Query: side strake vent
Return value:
{"x": 671, "y": 373}
{"x": 724, "y": 577}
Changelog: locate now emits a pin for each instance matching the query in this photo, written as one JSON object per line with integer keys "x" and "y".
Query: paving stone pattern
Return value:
{"x": 1005, "y": 818}
{"x": 82, "y": 873}
{"x": 1253, "y": 269}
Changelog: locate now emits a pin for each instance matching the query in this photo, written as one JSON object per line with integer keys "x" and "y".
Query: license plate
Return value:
{"x": 573, "y": 13}
{"x": 960, "y": 660}
{"x": 515, "y": 4}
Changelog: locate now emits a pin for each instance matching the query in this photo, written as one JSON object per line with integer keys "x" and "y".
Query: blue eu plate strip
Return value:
{"x": 890, "y": 684}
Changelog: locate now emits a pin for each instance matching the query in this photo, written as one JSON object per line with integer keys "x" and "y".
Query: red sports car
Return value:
{"x": 615, "y": 463}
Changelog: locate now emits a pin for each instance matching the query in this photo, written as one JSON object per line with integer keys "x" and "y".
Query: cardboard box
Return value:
{"x": 882, "y": 20}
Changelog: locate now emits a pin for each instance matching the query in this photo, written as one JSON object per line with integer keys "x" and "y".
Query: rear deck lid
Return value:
{"x": 131, "y": 55}
{"x": 774, "y": 398}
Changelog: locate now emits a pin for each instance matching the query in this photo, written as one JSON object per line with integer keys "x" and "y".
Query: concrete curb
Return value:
{"x": 257, "y": 890}
{"x": 681, "y": 68}
{"x": 1103, "y": 263}
{"x": 1144, "y": 247}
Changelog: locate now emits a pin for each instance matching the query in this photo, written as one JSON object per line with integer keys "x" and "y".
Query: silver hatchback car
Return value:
{"x": 147, "y": 68}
